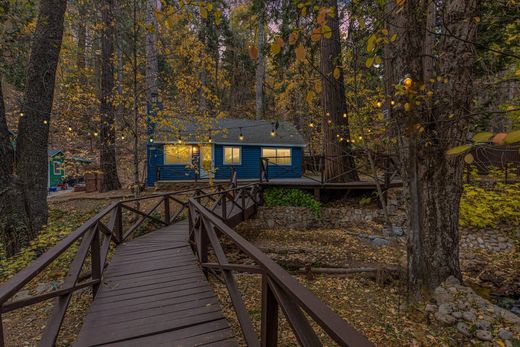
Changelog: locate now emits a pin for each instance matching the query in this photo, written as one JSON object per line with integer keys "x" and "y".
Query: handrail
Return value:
{"x": 96, "y": 237}
{"x": 279, "y": 285}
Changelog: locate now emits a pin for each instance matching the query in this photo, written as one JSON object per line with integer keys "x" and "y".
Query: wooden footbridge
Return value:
{"x": 151, "y": 289}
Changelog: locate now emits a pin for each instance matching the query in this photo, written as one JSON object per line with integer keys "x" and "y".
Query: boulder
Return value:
{"x": 464, "y": 329}
{"x": 483, "y": 335}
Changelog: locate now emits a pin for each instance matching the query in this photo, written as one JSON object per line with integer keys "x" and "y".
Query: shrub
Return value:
{"x": 291, "y": 197}
{"x": 484, "y": 208}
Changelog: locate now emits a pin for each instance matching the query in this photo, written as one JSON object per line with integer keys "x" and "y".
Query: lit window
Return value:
{"x": 177, "y": 154}
{"x": 232, "y": 156}
{"x": 278, "y": 156}
{"x": 58, "y": 168}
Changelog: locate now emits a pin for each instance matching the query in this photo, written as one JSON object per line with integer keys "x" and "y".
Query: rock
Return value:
{"x": 270, "y": 223}
{"x": 509, "y": 316}
{"x": 464, "y": 329}
{"x": 452, "y": 280}
{"x": 457, "y": 314}
{"x": 463, "y": 305}
{"x": 445, "y": 319}
{"x": 483, "y": 324}
{"x": 503, "y": 245}
{"x": 442, "y": 296}
{"x": 483, "y": 335}
{"x": 377, "y": 241}
{"x": 469, "y": 316}
{"x": 430, "y": 308}
{"x": 397, "y": 231}
{"x": 480, "y": 241}
{"x": 446, "y": 309}
{"x": 505, "y": 334}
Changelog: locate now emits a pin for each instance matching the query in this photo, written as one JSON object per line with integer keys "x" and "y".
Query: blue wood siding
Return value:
{"x": 250, "y": 166}
{"x": 248, "y": 169}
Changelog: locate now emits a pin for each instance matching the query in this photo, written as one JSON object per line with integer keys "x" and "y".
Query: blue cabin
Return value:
{"x": 198, "y": 153}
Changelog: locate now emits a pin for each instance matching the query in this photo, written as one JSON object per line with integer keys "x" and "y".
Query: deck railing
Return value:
{"x": 279, "y": 288}
{"x": 110, "y": 226}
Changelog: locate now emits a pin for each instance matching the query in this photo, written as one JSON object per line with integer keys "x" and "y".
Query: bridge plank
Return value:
{"x": 154, "y": 293}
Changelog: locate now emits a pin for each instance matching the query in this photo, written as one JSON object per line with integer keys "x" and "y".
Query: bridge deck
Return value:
{"x": 154, "y": 294}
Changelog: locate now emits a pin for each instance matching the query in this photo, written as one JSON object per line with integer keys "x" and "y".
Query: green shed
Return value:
{"x": 56, "y": 159}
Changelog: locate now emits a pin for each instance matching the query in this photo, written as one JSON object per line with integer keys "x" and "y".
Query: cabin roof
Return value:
{"x": 227, "y": 131}
{"x": 53, "y": 152}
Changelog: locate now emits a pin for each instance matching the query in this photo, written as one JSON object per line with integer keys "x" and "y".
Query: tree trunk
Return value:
{"x": 14, "y": 231}
{"x": 339, "y": 163}
{"x": 260, "y": 68}
{"x": 23, "y": 194}
{"x": 433, "y": 181}
{"x": 107, "y": 155}
{"x": 152, "y": 69}
{"x": 82, "y": 38}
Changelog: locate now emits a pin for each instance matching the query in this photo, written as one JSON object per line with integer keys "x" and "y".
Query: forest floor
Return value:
{"x": 372, "y": 302}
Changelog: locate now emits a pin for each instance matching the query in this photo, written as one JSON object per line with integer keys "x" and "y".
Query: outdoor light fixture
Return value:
{"x": 273, "y": 133}
{"x": 151, "y": 140}
{"x": 195, "y": 149}
{"x": 179, "y": 140}
{"x": 408, "y": 82}
{"x": 241, "y": 136}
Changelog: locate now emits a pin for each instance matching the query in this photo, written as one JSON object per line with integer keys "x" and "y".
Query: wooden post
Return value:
{"x": 224, "y": 209}
{"x": 167, "y": 217}
{"x": 203, "y": 247}
{"x": 119, "y": 224}
{"x": 243, "y": 203}
{"x": 2, "y": 342}
{"x": 269, "y": 315}
{"x": 95, "y": 254}
{"x": 261, "y": 170}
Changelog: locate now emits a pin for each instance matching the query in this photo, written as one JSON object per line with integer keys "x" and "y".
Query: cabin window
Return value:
{"x": 58, "y": 168}
{"x": 177, "y": 154}
{"x": 232, "y": 156}
{"x": 278, "y": 156}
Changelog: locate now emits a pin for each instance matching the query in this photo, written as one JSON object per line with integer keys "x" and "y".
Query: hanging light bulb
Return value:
{"x": 151, "y": 140}
{"x": 179, "y": 140}
{"x": 21, "y": 114}
{"x": 95, "y": 134}
{"x": 344, "y": 115}
{"x": 392, "y": 102}
{"x": 241, "y": 136}
{"x": 122, "y": 137}
{"x": 311, "y": 125}
{"x": 70, "y": 129}
{"x": 407, "y": 82}
{"x": 273, "y": 133}
{"x": 379, "y": 104}
{"x": 45, "y": 122}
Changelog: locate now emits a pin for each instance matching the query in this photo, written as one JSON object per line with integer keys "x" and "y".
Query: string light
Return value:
{"x": 45, "y": 122}
{"x": 21, "y": 114}
{"x": 392, "y": 102}
{"x": 408, "y": 82}
{"x": 311, "y": 125}
{"x": 70, "y": 129}
{"x": 95, "y": 134}
{"x": 122, "y": 137}
{"x": 379, "y": 104}
{"x": 151, "y": 140}
{"x": 344, "y": 115}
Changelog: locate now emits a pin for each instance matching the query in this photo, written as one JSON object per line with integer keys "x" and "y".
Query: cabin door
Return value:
{"x": 206, "y": 161}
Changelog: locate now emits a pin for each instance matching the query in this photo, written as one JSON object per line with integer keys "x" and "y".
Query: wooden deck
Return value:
{"x": 154, "y": 294}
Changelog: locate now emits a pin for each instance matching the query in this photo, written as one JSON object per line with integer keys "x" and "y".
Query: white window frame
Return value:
{"x": 57, "y": 166}
{"x": 276, "y": 155}
{"x": 183, "y": 163}
{"x": 239, "y": 155}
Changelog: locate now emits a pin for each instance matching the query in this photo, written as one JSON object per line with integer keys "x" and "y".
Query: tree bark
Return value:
{"x": 260, "y": 67}
{"x": 152, "y": 69}
{"x": 107, "y": 148}
{"x": 23, "y": 202}
{"x": 338, "y": 163}
{"x": 433, "y": 181}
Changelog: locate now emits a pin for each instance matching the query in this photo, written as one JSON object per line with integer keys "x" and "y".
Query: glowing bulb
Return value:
{"x": 21, "y": 114}
{"x": 379, "y": 104}
{"x": 329, "y": 121}
{"x": 95, "y": 134}
{"x": 344, "y": 115}
{"x": 408, "y": 82}
{"x": 311, "y": 124}
{"x": 122, "y": 137}
{"x": 340, "y": 139}
{"x": 151, "y": 140}
{"x": 392, "y": 102}
{"x": 361, "y": 137}
{"x": 241, "y": 137}
{"x": 179, "y": 140}
{"x": 209, "y": 140}
{"x": 273, "y": 133}
{"x": 45, "y": 122}
{"x": 70, "y": 129}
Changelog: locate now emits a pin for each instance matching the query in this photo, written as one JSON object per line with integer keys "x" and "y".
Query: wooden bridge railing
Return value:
{"x": 110, "y": 226}
{"x": 279, "y": 288}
